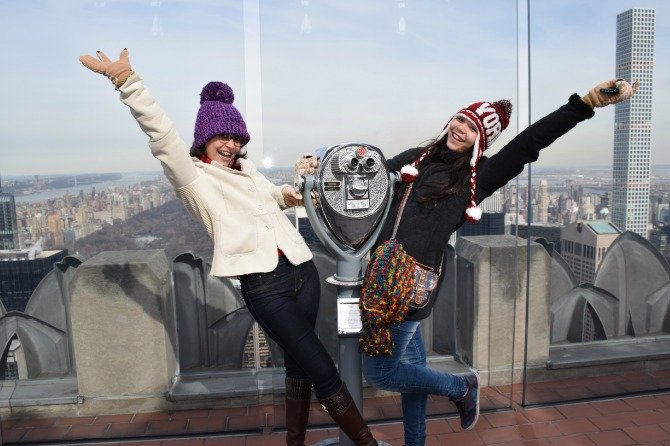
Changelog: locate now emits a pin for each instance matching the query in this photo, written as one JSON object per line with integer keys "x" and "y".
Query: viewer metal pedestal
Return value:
{"x": 352, "y": 179}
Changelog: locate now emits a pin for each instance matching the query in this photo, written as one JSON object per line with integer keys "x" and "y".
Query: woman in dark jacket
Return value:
{"x": 449, "y": 177}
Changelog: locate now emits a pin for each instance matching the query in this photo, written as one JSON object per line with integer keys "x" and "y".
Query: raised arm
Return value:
{"x": 164, "y": 140}
{"x": 509, "y": 162}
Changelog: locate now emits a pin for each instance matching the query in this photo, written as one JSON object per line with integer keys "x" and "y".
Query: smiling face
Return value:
{"x": 462, "y": 134}
{"x": 222, "y": 149}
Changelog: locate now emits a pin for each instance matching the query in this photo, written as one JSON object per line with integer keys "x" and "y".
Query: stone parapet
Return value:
{"x": 491, "y": 306}
{"x": 119, "y": 329}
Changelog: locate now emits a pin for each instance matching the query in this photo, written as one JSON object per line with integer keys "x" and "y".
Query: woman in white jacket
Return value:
{"x": 253, "y": 239}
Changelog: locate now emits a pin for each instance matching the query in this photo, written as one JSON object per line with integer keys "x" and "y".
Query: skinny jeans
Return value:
{"x": 406, "y": 372}
{"x": 285, "y": 303}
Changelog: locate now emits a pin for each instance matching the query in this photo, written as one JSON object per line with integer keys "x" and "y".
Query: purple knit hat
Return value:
{"x": 218, "y": 116}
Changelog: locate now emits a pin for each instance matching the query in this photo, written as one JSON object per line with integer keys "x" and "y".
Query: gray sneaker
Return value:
{"x": 468, "y": 406}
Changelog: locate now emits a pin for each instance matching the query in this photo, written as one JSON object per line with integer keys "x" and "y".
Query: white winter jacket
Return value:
{"x": 241, "y": 210}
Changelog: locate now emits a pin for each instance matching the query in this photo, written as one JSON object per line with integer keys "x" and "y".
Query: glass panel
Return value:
{"x": 598, "y": 205}
{"x": 391, "y": 74}
{"x": 87, "y": 183}
{"x": 131, "y": 325}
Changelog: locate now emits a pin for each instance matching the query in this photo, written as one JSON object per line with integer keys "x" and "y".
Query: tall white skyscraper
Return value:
{"x": 632, "y": 121}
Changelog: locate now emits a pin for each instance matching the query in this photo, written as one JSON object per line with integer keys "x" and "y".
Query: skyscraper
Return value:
{"x": 492, "y": 221}
{"x": 9, "y": 231}
{"x": 632, "y": 121}
{"x": 21, "y": 270}
{"x": 542, "y": 202}
{"x": 583, "y": 246}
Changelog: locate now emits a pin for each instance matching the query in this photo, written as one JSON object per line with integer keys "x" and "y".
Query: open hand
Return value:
{"x": 117, "y": 71}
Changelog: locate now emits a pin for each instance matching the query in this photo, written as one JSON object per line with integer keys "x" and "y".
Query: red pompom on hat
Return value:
{"x": 490, "y": 118}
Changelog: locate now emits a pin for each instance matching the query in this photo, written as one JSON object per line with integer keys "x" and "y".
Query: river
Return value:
{"x": 127, "y": 179}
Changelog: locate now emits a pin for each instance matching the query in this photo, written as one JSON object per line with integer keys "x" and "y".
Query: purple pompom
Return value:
{"x": 217, "y": 91}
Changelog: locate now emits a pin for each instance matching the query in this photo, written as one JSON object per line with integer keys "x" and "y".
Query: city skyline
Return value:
{"x": 388, "y": 73}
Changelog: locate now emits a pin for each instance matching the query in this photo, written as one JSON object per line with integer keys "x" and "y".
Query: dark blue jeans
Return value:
{"x": 285, "y": 303}
{"x": 406, "y": 372}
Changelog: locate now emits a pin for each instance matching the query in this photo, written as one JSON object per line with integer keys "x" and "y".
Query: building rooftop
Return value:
{"x": 602, "y": 227}
{"x": 25, "y": 254}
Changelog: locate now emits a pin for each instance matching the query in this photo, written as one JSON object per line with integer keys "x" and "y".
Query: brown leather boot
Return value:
{"x": 298, "y": 397}
{"x": 341, "y": 407}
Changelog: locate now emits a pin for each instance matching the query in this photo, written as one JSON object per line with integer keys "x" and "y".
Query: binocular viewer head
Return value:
{"x": 356, "y": 160}
{"x": 352, "y": 188}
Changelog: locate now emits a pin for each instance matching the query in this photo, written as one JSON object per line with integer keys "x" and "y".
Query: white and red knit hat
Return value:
{"x": 490, "y": 118}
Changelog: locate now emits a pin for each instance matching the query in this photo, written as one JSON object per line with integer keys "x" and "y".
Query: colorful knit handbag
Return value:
{"x": 389, "y": 279}
{"x": 387, "y": 287}
{"x": 394, "y": 284}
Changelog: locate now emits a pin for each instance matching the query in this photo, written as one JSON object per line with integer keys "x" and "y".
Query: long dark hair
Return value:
{"x": 197, "y": 151}
{"x": 459, "y": 170}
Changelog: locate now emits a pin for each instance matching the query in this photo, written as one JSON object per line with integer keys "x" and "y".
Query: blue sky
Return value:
{"x": 318, "y": 72}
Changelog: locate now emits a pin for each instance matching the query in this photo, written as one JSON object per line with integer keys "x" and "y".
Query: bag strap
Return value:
{"x": 401, "y": 208}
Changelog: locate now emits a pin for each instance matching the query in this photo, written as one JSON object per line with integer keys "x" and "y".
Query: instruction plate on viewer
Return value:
{"x": 348, "y": 316}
